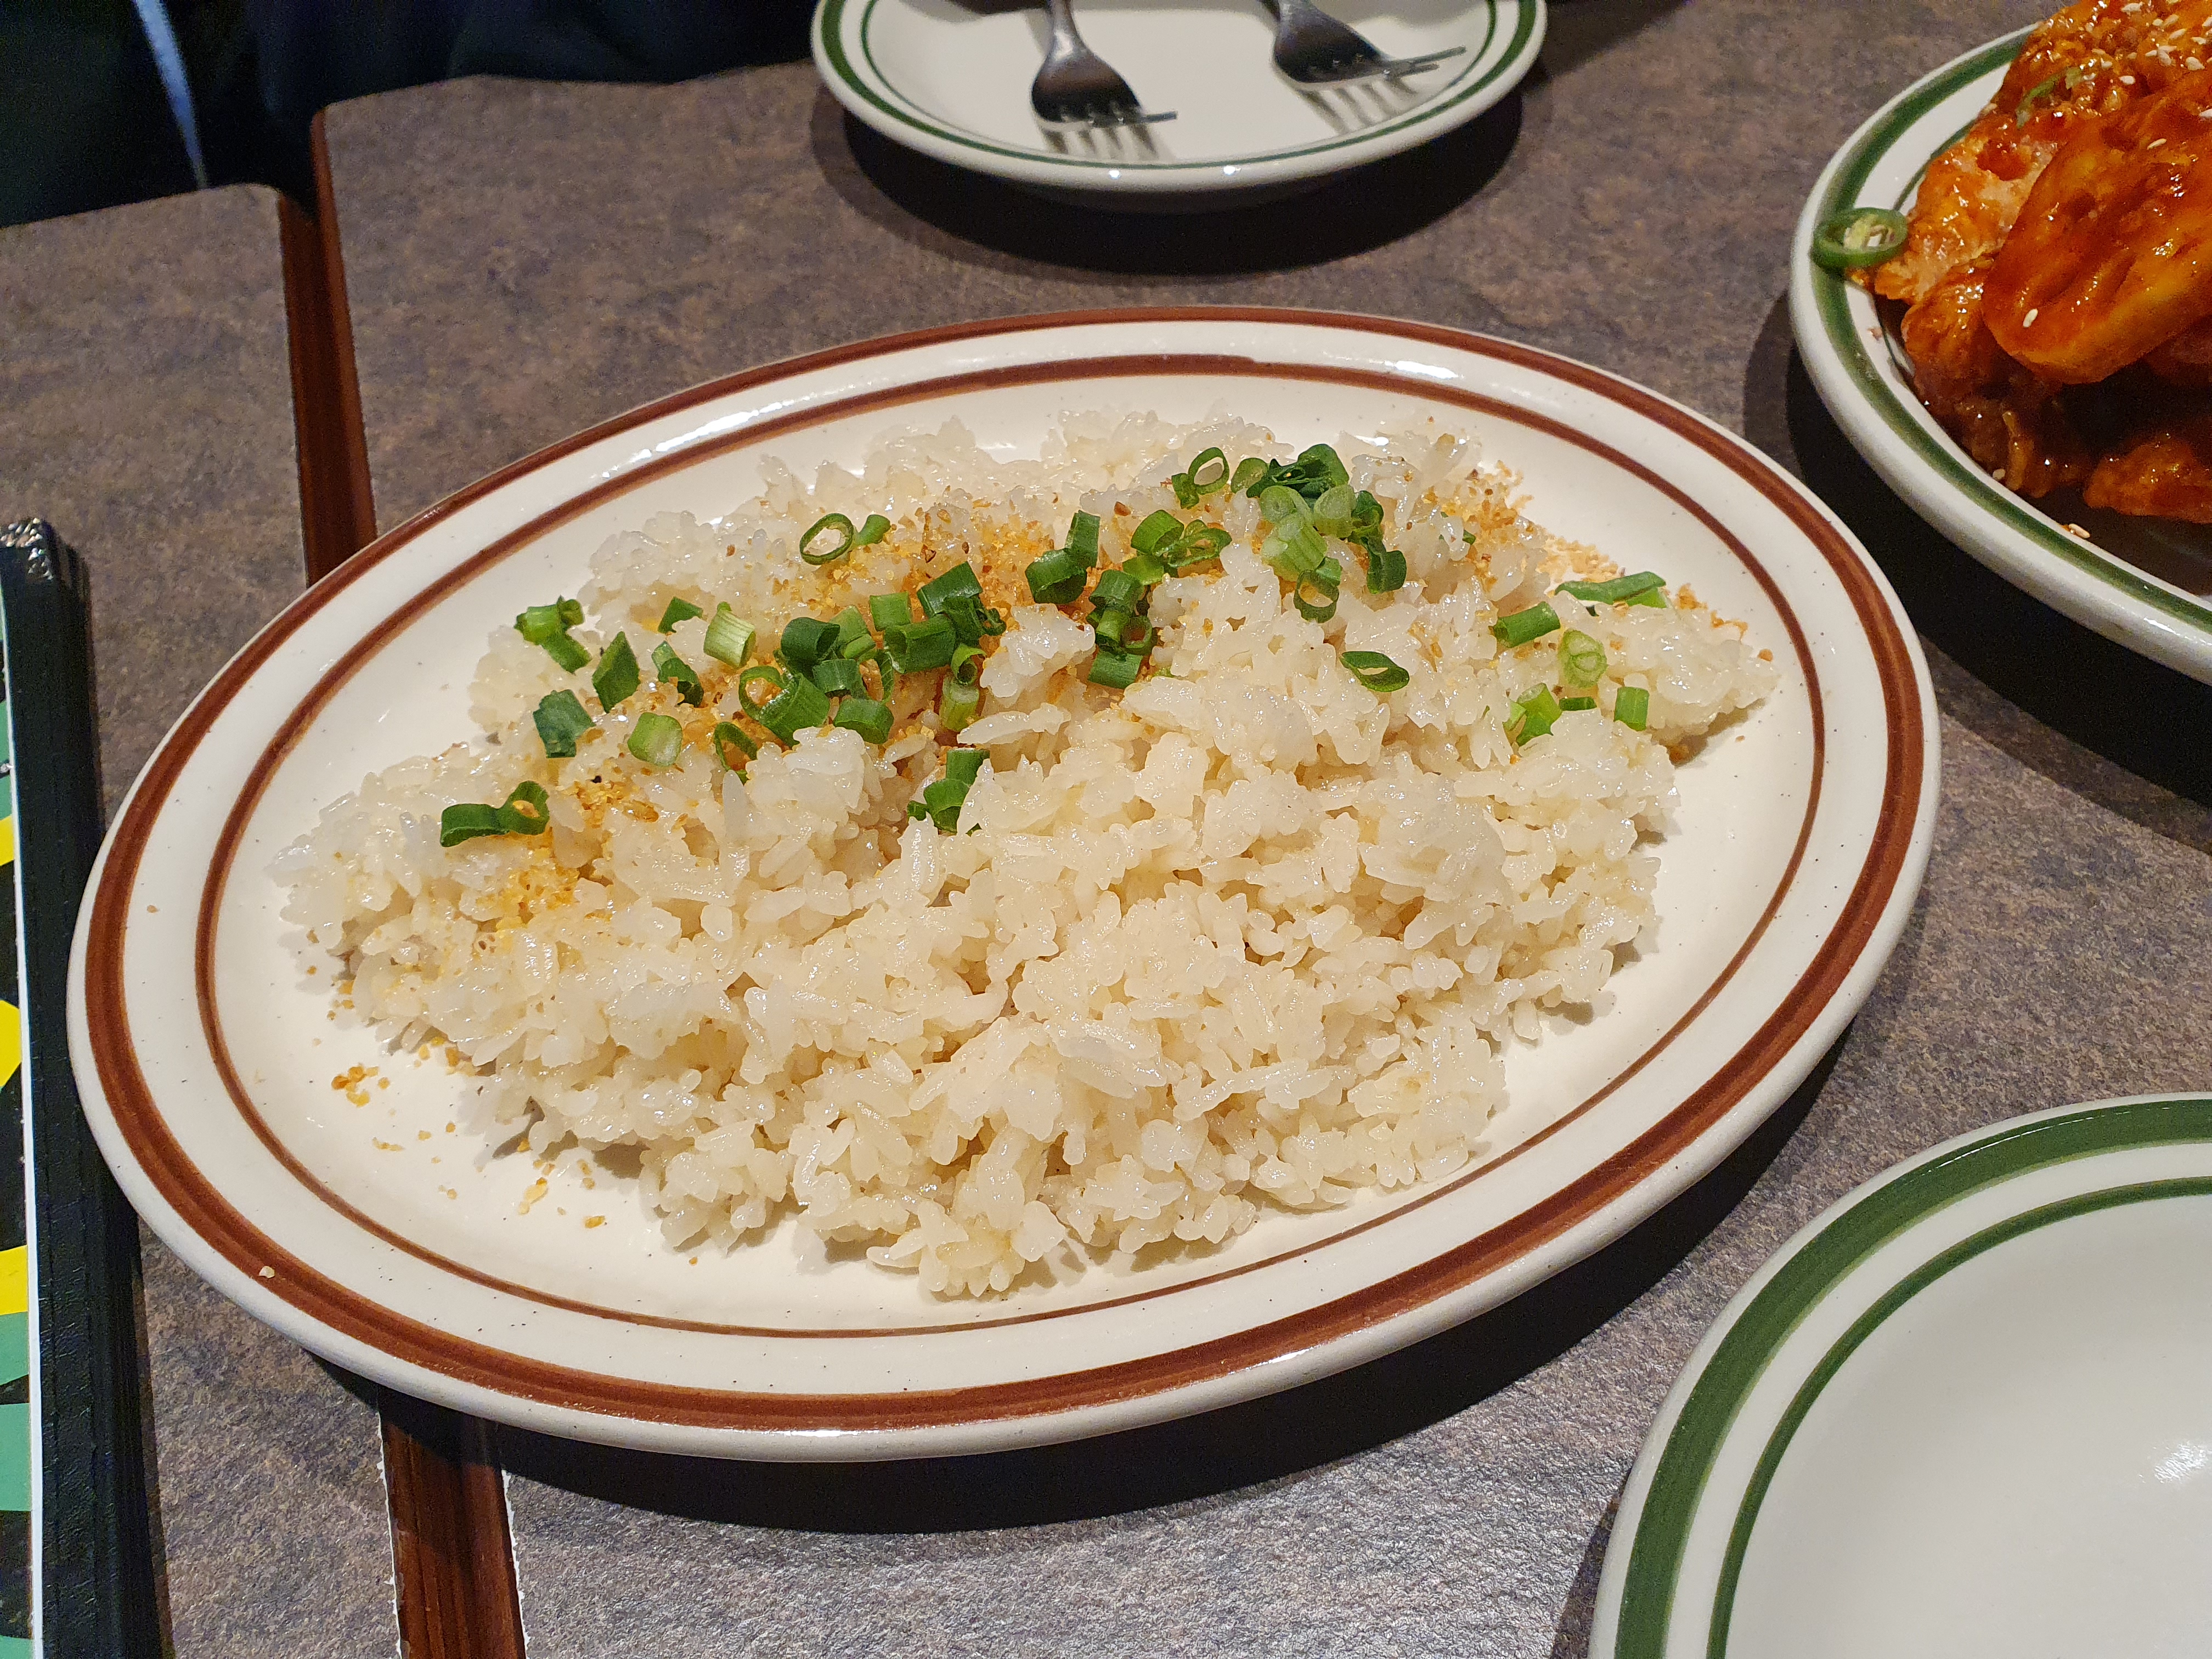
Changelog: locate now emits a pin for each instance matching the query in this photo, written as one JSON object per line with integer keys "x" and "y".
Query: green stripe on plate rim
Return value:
{"x": 830, "y": 24}
{"x": 1832, "y": 294}
{"x": 1740, "y": 1359}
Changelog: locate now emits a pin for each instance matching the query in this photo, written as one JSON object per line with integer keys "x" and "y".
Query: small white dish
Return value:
{"x": 1963, "y": 1414}
{"x": 354, "y": 1220}
{"x": 2139, "y": 581}
{"x": 950, "y": 78}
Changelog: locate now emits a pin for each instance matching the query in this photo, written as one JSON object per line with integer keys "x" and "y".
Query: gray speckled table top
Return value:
{"x": 146, "y": 409}
{"x": 523, "y": 260}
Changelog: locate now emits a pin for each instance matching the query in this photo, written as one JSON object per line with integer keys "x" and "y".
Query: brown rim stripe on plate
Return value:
{"x": 303, "y": 717}
{"x": 411, "y": 1343}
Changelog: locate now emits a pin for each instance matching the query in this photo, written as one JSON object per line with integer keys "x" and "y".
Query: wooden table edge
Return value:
{"x": 452, "y": 1551}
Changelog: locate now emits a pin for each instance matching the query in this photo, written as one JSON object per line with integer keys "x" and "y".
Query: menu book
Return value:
{"x": 76, "y": 1572}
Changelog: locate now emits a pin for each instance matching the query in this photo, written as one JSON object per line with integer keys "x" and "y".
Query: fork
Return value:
{"x": 1075, "y": 88}
{"x": 1314, "y": 49}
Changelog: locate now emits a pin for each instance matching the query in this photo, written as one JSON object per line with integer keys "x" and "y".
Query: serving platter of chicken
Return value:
{"x": 2002, "y": 288}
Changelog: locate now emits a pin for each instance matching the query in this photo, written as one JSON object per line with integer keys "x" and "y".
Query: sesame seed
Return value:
{"x": 2033, "y": 312}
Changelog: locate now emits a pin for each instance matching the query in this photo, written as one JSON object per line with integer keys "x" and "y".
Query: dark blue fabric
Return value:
{"x": 83, "y": 123}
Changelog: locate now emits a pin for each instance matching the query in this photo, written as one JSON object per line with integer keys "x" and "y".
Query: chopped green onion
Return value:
{"x": 1332, "y": 514}
{"x": 540, "y": 622}
{"x": 1157, "y": 530}
{"x": 1366, "y": 512}
{"x": 854, "y": 640}
{"x": 1146, "y": 567}
{"x": 1295, "y": 549}
{"x": 799, "y": 707}
{"x": 758, "y": 674}
{"x": 567, "y": 652}
{"x": 959, "y": 582}
{"x": 914, "y": 648}
{"x": 1568, "y": 705}
{"x": 466, "y": 821}
{"x": 728, "y": 737}
{"x": 1197, "y": 474}
{"x": 1321, "y": 605}
{"x": 958, "y": 705}
{"x": 561, "y": 721}
{"x": 658, "y": 740}
{"x": 832, "y": 521}
{"x": 1115, "y": 669}
{"x": 838, "y": 677}
{"x": 1619, "y": 590}
{"x": 1251, "y": 472}
{"x": 871, "y": 719}
{"x": 890, "y": 609}
{"x": 1858, "y": 237}
{"x": 970, "y": 620}
{"x": 678, "y": 610}
{"x": 1319, "y": 466}
{"x": 1083, "y": 538}
{"x": 1631, "y": 707}
{"x": 1057, "y": 578}
{"x": 1278, "y": 503}
{"x": 941, "y": 800}
{"x": 873, "y": 531}
{"x": 1186, "y": 492}
{"x": 1375, "y": 672}
{"x": 1523, "y": 626}
{"x": 798, "y": 704}
{"x": 523, "y": 814}
{"x": 1386, "y": 566}
{"x": 1200, "y": 543}
{"x": 967, "y": 666}
{"x": 1581, "y": 658}
{"x": 728, "y": 639}
{"x": 806, "y": 641}
{"x": 548, "y": 625}
{"x": 2039, "y": 91}
{"x": 1532, "y": 712}
{"x": 668, "y": 667}
{"x": 1117, "y": 590}
{"x": 616, "y": 676}
{"x": 1122, "y": 630}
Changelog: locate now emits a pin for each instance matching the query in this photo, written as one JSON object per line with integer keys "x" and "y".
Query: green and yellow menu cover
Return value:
{"x": 19, "y": 1424}
{"x": 77, "y": 1572}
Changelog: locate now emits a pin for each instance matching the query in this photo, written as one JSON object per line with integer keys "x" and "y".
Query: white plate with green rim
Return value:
{"x": 950, "y": 78}
{"x": 2146, "y": 583}
{"x": 1963, "y": 1414}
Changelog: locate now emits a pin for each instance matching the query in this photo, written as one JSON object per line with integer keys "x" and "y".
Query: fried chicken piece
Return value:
{"x": 2113, "y": 254}
{"x": 2003, "y": 414}
{"x": 2166, "y": 473}
{"x": 2186, "y": 359}
{"x": 2089, "y": 60}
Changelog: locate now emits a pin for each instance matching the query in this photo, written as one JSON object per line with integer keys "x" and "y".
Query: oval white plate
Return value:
{"x": 2111, "y": 585}
{"x": 1964, "y": 1413}
{"x": 950, "y": 78}
{"x": 206, "y": 1057}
